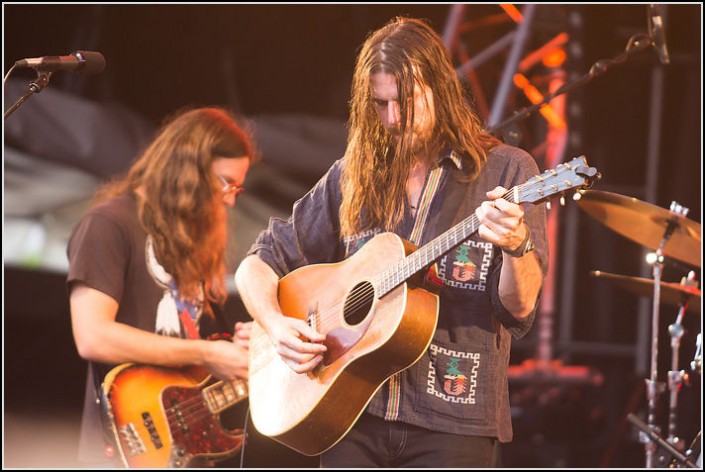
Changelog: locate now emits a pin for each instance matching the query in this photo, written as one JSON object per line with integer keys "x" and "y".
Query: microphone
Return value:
{"x": 658, "y": 38}
{"x": 83, "y": 62}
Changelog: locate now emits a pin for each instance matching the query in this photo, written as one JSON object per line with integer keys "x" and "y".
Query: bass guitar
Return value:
{"x": 167, "y": 418}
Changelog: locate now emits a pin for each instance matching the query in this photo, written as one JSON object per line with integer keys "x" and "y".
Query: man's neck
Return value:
{"x": 426, "y": 155}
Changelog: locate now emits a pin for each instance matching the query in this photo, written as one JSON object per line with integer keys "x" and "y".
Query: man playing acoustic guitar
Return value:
{"x": 417, "y": 162}
{"x": 144, "y": 264}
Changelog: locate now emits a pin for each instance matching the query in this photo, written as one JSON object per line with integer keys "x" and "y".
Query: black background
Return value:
{"x": 276, "y": 59}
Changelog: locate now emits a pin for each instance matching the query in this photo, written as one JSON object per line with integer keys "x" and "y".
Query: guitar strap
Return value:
{"x": 102, "y": 424}
{"x": 189, "y": 325}
{"x": 433, "y": 183}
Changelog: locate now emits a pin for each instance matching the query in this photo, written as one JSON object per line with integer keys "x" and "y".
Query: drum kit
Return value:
{"x": 671, "y": 235}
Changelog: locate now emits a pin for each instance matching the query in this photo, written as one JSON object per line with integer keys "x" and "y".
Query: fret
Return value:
{"x": 535, "y": 190}
{"x": 221, "y": 395}
{"x": 426, "y": 255}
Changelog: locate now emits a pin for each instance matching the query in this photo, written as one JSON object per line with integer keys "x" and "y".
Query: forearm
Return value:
{"x": 299, "y": 345}
{"x": 257, "y": 285}
{"x": 99, "y": 337}
{"x": 519, "y": 283}
{"x": 115, "y": 343}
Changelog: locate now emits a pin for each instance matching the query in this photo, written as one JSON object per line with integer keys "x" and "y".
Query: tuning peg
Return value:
{"x": 577, "y": 196}
{"x": 562, "y": 200}
{"x": 548, "y": 205}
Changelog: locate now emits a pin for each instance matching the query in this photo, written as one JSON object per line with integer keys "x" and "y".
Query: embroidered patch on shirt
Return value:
{"x": 467, "y": 266}
{"x": 452, "y": 375}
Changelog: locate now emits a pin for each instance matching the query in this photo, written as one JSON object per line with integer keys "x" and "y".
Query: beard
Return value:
{"x": 419, "y": 140}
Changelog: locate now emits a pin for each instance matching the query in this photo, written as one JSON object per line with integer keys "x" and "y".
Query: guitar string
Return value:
{"x": 361, "y": 297}
{"x": 364, "y": 296}
{"x": 195, "y": 409}
{"x": 197, "y": 402}
{"x": 195, "y": 412}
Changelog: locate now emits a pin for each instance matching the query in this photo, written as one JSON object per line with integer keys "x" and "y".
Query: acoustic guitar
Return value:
{"x": 378, "y": 318}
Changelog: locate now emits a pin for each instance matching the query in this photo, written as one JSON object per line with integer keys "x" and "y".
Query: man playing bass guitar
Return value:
{"x": 146, "y": 267}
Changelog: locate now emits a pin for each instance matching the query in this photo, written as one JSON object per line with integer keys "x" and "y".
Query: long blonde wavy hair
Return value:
{"x": 179, "y": 200}
{"x": 376, "y": 166}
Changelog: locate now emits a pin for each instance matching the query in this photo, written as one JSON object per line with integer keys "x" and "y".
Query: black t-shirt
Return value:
{"x": 109, "y": 251}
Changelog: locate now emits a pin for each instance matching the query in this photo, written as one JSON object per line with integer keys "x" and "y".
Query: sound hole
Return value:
{"x": 358, "y": 303}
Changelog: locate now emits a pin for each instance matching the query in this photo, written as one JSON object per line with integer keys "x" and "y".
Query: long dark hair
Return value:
{"x": 179, "y": 200}
{"x": 376, "y": 166}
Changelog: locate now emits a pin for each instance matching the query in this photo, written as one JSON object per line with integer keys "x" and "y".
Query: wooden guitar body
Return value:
{"x": 311, "y": 412}
{"x": 376, "y": 319}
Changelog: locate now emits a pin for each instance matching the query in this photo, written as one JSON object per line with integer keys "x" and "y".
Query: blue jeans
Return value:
{"x": 374, "y": 442}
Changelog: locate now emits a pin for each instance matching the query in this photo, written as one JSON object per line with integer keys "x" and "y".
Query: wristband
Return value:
{"x": 526, "y": 246}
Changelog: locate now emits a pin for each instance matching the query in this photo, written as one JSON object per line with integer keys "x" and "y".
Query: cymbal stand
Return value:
{"x": 649, "y": 431}
{"x": 676, "y": 376}
{"x": 652, "y": 386}
{"x": 696, "y": 365}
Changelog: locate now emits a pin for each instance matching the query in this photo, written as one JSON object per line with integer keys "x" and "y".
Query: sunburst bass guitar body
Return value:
{"x": 167, "y": 418}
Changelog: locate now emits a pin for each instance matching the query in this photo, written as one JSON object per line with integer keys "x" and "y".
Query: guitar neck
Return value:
{"x": 224, "y": 394}
{"x": 434, "y": 250}
{"x": 425, "y": 256}
{"x": 568, "y": 176}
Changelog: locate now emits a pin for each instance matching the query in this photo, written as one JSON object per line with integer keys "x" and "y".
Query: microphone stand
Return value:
{"x": 35, "y": 86}
{"x": 635, "y": 44}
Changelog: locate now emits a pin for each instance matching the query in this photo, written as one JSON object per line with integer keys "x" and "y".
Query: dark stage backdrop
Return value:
{"x": 288, "y": 69}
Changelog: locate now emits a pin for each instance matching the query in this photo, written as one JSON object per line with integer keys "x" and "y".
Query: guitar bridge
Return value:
{"x": 312, "y": 318}
{"x": 131, "y": 439}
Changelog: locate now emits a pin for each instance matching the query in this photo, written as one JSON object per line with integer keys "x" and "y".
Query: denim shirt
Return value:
{"x": 460, "y": 383}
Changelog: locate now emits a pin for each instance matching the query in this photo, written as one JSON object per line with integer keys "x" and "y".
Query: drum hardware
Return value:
{"x": 696, "y": 448}
{"x": 656, "y": 439}
{"x": 675, "y": 376}
{"x": 668, "y": 233}
{"x": 696, "y": 365}
{"x": 671, "y": 293}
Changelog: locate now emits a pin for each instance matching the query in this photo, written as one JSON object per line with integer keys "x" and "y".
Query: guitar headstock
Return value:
{"x": 573, "y": 175}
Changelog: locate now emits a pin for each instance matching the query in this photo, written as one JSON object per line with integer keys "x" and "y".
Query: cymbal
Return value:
{"x": 645, "y": 223}
{"x": 671, "y": 293}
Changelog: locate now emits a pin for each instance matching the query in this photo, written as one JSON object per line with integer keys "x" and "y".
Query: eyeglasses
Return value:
{"x": 230, "y": 188}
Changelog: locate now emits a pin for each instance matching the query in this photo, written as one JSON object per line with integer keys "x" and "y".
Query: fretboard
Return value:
{"x": 224, "y": 394}
{"x": 431, "y": 252}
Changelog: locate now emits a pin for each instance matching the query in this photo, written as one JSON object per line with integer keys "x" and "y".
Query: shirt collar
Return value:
{"x": 451, "y": 155}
